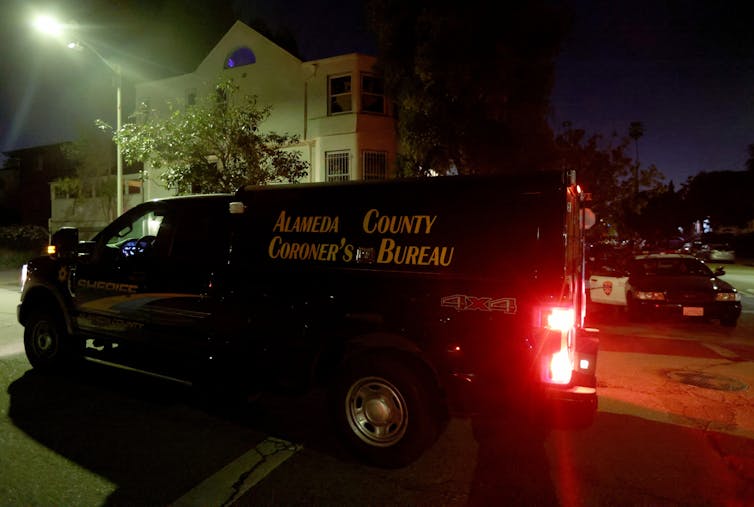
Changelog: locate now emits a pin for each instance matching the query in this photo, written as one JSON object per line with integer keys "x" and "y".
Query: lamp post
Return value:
{"x": 52, "y": 27}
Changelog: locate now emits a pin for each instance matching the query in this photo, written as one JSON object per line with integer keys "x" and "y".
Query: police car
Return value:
{"x": 667, "y": 285}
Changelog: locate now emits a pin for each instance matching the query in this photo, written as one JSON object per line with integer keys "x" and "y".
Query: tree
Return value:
{"x": 471, "y": 89}
{"x": 606, "y": 171}
{"x": 722, "y": 196}
{"x": 213, "y": 146}
{"x": 92, "y": 155}
{"x": 750, "y": 160}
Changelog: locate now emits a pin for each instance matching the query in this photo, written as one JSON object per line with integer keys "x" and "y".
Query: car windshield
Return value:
{"x": 672, "y": 267}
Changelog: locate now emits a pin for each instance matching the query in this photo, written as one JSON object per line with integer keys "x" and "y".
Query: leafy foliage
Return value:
{"x": 23, "y": 237}
{"x": 213, "y": 146}
{"x": 472, "y": 90}
{"x": 92, "y": 155}
{"x": 606, "y": 171}
{"x": 722, "y": 196}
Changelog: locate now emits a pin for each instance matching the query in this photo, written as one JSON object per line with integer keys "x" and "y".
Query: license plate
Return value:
{"x": 693, "y": 311}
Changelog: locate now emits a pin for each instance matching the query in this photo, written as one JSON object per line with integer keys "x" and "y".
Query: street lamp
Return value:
{"x": 50, "y": 26}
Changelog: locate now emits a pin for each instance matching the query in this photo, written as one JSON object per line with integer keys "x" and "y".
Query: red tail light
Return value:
{"x": 557, "y": 362}
{"x": 561, "y": 368}
{"x": 561, "y": 319}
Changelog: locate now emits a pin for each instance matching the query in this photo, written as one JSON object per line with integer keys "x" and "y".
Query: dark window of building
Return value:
{"x": 372, "y": 94}
{"x": 340, "y": 94}
{"x": 240, "y": 57}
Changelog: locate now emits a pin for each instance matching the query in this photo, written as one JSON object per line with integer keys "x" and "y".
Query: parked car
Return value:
{"x": 692, "y": 248}
{"x": 666, "y": 285}
{"x": 717, "y": 252}
{"x": 679, "y": 285}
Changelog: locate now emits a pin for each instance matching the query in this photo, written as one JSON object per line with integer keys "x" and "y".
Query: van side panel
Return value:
{"x": 454, "y": 268}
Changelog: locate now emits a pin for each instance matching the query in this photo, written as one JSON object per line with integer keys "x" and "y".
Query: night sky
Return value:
{"x": 684, "y": 69}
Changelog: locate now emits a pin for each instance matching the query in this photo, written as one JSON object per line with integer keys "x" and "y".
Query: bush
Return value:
{"x": 23, "y": 237}
{"x": 14, "y": 259}
{"x": 19, "y": 243}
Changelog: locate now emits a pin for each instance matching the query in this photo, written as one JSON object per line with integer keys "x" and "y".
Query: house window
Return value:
{"x": 372, "y": 94}
{"x": 240, "y": 57}
{"x": 134, "y": 187}
{"x": 340, "y": 94}
{"x": 336, "y": 163}
{"x": 375, "y": 165}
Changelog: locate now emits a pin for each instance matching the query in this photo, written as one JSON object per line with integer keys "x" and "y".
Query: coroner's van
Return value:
{"x": 408, "y": 299}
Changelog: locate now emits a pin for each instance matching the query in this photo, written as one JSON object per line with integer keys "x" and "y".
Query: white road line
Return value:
{"x": 237, "y": 477}
{"x": 717, "y": 349}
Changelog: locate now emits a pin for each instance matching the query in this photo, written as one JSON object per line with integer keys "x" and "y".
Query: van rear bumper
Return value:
{"x": 571, "y": 405}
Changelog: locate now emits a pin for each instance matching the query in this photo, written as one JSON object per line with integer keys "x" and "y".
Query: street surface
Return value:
{"x": 675, "y": 427}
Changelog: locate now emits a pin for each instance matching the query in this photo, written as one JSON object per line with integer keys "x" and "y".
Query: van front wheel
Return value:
{"x": 386, "y": 411}
{"x": 48, "y": 347}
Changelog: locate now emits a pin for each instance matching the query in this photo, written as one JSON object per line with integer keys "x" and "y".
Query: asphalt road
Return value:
{"x": 675, "y": 427}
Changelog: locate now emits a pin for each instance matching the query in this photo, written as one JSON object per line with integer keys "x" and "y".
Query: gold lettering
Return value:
{"x": 412, "y": 254}
{"x": 326, "y": 252}
{"x": 446, "y": 261}
{"x": 280, "y": 223}
{"x": 390, "y": 252}
{"x": 348, "y": 253}
{"x": 385, "y": 253}
{"x": 397, "y": 224}
{"x": 366, "y": 225}
{"x": 314, "y": 223}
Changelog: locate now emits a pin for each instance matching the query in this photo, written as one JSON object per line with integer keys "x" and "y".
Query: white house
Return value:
{"x": 335, "y": 105}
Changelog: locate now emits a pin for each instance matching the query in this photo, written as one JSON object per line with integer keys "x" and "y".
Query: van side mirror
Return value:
{"x": 65, "y": 242}
{"x": 719, "y": 271}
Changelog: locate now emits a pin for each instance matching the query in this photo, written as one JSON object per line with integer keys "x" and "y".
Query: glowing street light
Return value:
{"x": 50, "y": 26}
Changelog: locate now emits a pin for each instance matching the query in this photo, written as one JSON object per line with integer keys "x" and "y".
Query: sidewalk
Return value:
{"x": 10, "y": 279}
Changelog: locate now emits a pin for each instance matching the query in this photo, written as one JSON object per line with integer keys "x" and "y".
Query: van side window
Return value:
{"x": 137, "y": 237}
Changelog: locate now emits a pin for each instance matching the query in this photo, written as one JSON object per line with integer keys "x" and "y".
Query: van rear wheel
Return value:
{"x": 386, "y": 411}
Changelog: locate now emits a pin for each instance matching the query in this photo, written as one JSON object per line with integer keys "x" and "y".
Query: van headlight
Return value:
{"x": 23, "y": 277}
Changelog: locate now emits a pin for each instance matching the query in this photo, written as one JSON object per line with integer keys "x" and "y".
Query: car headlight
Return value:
{"x": 728, "y": 296}
{"x": 649, "y": 295}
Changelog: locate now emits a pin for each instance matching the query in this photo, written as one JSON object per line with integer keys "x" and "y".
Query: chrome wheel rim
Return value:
{"x": 376, "y": 411}
{"x": 45, "y": 342}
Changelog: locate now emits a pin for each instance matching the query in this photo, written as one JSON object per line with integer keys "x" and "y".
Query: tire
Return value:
{"x": 48, "y": 346}
{"x": 633, "y": 311}
{"x": 387, "y": 412}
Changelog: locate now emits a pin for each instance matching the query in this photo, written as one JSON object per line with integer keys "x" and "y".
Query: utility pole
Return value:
{"x": 635, "y": 131}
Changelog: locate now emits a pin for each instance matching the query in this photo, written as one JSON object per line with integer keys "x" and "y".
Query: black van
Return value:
{"x": 409, "y": 299}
